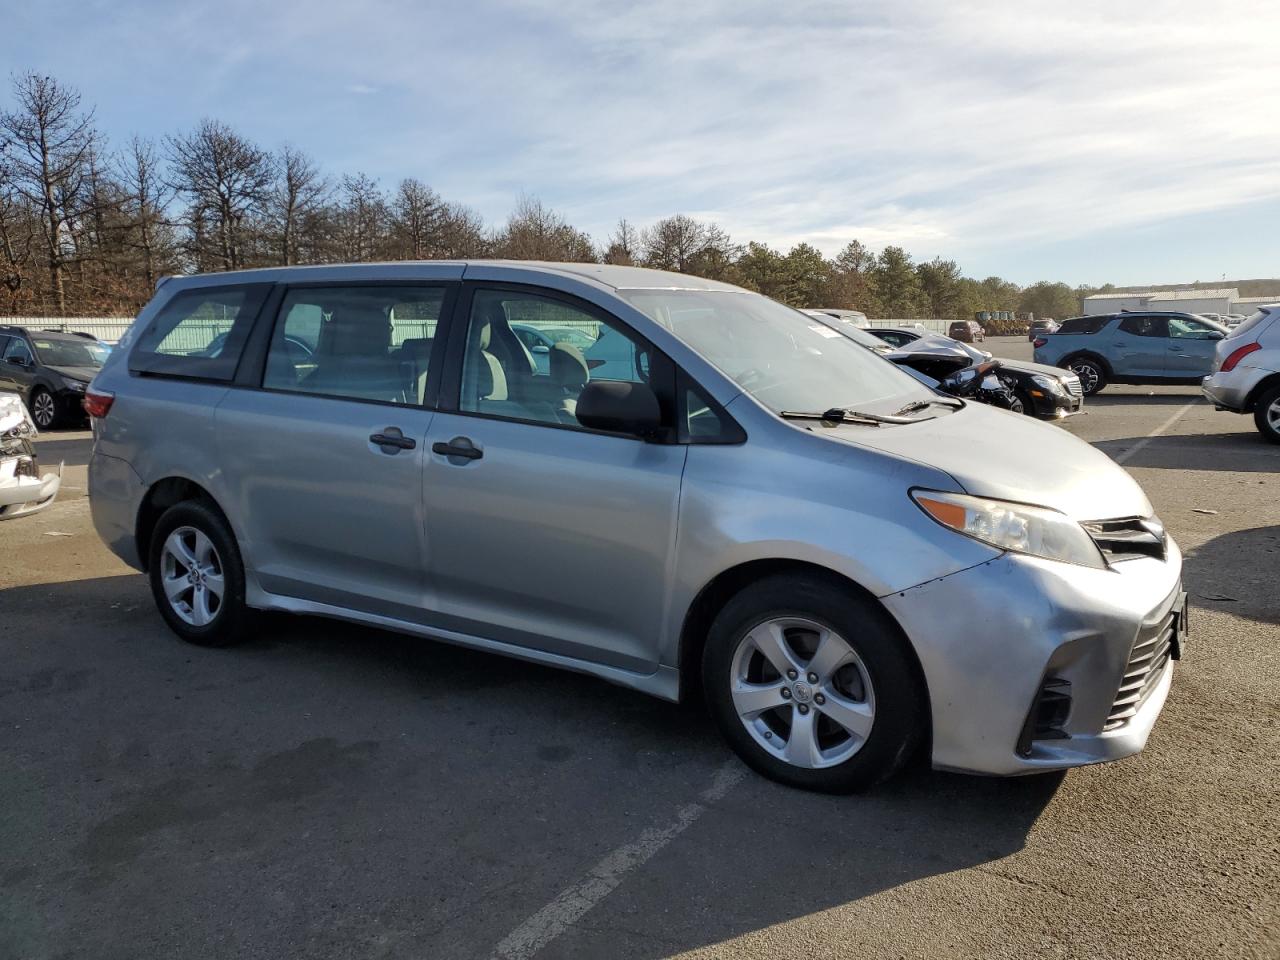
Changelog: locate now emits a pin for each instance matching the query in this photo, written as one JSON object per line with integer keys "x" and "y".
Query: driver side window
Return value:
{"x": 18, "y": 351}
{"x": 503, "y": 376}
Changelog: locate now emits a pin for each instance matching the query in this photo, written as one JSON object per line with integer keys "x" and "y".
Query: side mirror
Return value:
{"x": 1216, "y": 335}
{"x": 619, "y": 406}
{"x": 540, "y": 348}
{"x": 16, "y": 361}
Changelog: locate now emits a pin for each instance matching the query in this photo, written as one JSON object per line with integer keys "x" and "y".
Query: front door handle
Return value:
{"x": 458, "y": 447}
{"x": 392, "y": 441}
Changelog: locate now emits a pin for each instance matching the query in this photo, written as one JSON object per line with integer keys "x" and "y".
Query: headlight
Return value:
{"x": 1037, "y": 531}
{"x": 1050, "y": 384}
{"x": 76, "y": 385}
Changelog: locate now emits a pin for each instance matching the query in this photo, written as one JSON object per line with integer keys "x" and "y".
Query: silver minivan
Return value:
{"x": 716, "y": 496}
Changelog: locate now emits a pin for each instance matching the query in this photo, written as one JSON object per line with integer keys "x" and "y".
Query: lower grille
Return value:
{"x": 1146, "y": 665}
{"x": 1073, "y": 386}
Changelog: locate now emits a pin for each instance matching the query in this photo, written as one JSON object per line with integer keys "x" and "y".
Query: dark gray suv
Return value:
{"x": 50, "y": 371}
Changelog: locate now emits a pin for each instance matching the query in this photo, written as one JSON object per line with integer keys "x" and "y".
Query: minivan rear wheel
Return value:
{"x": 197, "y": 578}
{"x": 812, "y": 685}
{"x": 1266, "y": 414}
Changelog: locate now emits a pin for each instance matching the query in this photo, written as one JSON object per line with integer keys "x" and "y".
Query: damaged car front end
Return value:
{"x": 23, "y": 490}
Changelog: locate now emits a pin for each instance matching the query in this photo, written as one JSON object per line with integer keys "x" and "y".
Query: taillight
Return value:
{"x": 1040, "y": 342}
{"x": 1236, "y": 356}
{"x": 96, "y": 404}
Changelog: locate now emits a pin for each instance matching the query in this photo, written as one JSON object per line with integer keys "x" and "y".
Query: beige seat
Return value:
{"x": 352, "y": 359}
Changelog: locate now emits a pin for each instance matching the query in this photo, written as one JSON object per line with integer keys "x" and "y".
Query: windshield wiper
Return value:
{"x": 843, "y": 415}
{"x": 921, "y": 404}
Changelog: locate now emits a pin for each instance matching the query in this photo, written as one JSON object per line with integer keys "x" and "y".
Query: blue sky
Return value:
{"x": 1087, "y": 142}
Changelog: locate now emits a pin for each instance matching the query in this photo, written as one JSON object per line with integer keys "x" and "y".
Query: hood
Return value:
{"x": 76, "y": 373}
{"x": 940, "y": 346}
{"x": 1027, "y": 366}
{"x": 1008, "y": 456}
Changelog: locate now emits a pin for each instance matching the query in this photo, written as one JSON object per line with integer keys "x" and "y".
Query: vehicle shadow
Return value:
{"x": 1236, "y": 573}
{"x": 1110, "y": 398}
{"x": 454, "y": 791}
{"x": 1240, "y": 452}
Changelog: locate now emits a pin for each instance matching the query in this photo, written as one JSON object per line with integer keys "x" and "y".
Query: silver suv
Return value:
{"x": 1246, "y": 371}
{"x": 717, "y": 494}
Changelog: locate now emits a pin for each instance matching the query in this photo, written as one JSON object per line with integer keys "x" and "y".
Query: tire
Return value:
{"x": 198, "y": 613}
{"x": 871, "y": 682}
{"x": 44, "y": 409}
{"x": 1027, "y": 405}
{"x": 1091, "y": 373}
{"x": 1266, "y": 414}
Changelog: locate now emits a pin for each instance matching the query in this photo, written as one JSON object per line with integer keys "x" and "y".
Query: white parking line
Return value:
{"x": 602, "y": 879}
{"x": 1137, "y": 447}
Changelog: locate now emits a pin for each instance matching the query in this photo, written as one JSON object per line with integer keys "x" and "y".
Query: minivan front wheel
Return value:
{"x": 812, "y": 686}
{"x": 197, "y": 578}
{"x": 1092, "y": 377}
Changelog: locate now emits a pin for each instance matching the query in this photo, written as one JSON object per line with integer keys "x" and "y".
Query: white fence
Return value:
{"x": 933, "y": 326}
{"x": 110, "y": 329}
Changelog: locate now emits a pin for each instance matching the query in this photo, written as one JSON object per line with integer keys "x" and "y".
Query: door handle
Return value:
{"x": 458, "y": 447}
{"x": 391, "y": 441}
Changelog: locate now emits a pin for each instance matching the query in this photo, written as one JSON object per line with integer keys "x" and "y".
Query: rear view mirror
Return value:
{"x": 619, "y": 406}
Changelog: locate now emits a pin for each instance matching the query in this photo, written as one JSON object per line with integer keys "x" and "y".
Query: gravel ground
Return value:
{"x": 342, "y": 792}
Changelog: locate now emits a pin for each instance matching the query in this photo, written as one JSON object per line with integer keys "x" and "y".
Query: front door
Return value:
{"x": 1191, "y": 346}
{"x": 1139, "y": 346}
{"x": 325, "y": 462}
{"x": 543, "y": 533}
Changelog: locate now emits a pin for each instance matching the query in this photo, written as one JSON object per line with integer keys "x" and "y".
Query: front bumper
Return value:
{"x": 990, "y": 636}
{"x": 1049, "y": 406}
{"x": 22, "y": 494}
{"x": 1230, "y": 391}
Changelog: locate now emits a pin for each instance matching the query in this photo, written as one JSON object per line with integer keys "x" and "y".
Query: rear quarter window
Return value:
{"x": 199, "y": 333}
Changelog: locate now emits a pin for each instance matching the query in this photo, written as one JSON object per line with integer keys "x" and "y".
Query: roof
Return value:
{"x": 1274, "y": 298}
{"x": 1221, "y": 293}
{"x": 1120, "y": 296}
{"x": 604, "y": 274}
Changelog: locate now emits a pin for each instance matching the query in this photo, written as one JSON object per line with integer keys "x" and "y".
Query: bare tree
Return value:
{"x": 148, "y": 196}
{"x": 300, "y": 192}
{"x": 536, "y": 232}
{"x": 462, "y": 233}
{"x": 47, "y": 141}
{"x": 227, "y": 181}
{"x": 362, "y": 220}
{"x": 624, "y": 245}
{"x": 686, "y": 245}
{"x": 417, "y": 218}
{"x": 19, "y": 235}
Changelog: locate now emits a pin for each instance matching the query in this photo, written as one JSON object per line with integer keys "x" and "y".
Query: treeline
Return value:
{"x": 87, "y": 229}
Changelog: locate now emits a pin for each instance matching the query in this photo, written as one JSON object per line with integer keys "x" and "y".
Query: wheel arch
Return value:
{"x": 1086, "y": 354}
{"x": 160, "y": 496}
{"x": 712, "y": 598}
{"x": 1269, "y": 382}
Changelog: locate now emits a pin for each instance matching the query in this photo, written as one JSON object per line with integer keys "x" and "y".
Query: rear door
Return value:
{"x": 545, "y": 534}
{"x": 324, "y": 443}
{"x": 1191, "y": 346}
{"x": 1139, "y": 345}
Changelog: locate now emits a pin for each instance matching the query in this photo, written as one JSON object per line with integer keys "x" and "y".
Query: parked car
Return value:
{"x": 1246, "y": 371}
{"x": 966, "y": 331}
{"x": 1038, "y": 390}
{"x": 539, "y": 340}
{"x": 1132, "y": 347}
{"x": 1040, "y": 327}
{"x": 49, "y": 371}
{"x": 23, "y": 488}
{"x": 851, "y": 567}
{"x": 855, "y": 317}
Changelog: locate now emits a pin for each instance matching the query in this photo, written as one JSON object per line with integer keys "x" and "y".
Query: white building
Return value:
{"x": 1248, "y": 305}
{"x": 1222, "y": 300}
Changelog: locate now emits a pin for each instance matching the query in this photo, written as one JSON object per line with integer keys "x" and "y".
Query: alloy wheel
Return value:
{"x": 43, "y": 410}
{"x": 1087, "y": 373}
{"x": 802, "y": 692}
{"x": 191, "y": 574}
{"x": 1273, "y": 415}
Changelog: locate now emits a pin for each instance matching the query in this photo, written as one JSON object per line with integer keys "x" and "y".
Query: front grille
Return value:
{"x": 1128, "y": 538}
{"x": 1073, "y": 386}
{"x": 1146, "y": 665}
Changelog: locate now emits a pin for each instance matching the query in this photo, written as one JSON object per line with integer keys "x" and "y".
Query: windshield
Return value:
{"x": 70, "y": 353}
{"x": 783, "y": 358}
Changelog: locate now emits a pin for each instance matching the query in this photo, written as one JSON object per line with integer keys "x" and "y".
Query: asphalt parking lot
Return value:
{"x": 342, "y": 792}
